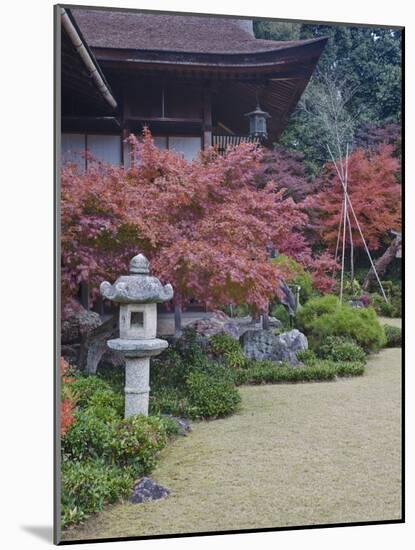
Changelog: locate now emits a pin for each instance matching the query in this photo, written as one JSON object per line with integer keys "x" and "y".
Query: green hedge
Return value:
{"x": 195, "y": 381}
{"x": 264, "y": 372}
{"x": 267, "y": 372}
{"x": 338, "y": 348}
{"x": 209, "y": 398}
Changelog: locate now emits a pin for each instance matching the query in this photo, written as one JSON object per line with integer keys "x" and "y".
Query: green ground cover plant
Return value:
{"x": 88, "y": 485}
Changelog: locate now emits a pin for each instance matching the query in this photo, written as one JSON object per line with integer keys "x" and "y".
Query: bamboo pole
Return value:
{"x": 343, "y": 246}
{"x": 358, "y": 226}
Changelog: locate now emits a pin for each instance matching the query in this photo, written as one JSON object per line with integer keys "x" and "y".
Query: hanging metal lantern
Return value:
{"x": 258, "y": 123}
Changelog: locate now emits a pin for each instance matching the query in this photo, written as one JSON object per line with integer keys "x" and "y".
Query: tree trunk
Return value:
{"x": 265, "y": 321}
{"x": 94, "y": 346}
{"x": 382, "y": 263}
{"x": 177, "y": 318}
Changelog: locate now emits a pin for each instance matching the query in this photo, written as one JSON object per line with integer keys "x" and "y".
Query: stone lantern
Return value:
{"x": 138, "y": 295}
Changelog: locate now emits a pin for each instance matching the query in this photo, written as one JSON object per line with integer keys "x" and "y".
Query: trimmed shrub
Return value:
{"x": 132, "y": 442}
{"x": 323, "y": 317}
{"x": 393, "y": 336}
{"x": 263, "y": 372}
{"x": 88, "y": 485}
{"x": 315, "y": 308}
{"x": 171, "y": 368}
{"x": 85, "y": 386}
{"x": 209, "y": 397}
{"x": 167, "y": 401}
{"x": 394, "y": 306}
{"x": 349, "y": 368}
{"x": 171, "y": 427}
{"x": 360, "y": 325}
{"x": 103, "y": 401}
{"x": 89, "y": 437}
{"x": 387, "y": 309}
{"x": 175, "y": 389}
{"x": 136, "y": 442}
{"x": 267, "y": 372}
{"x": 338, "y": 348}
{"x": 227, "y": 349}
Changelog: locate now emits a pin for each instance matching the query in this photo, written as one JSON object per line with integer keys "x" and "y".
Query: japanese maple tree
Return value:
{"x": 374, "y": 192}
{"x": 287, "y": 169}
{"x": 205, "y": 225}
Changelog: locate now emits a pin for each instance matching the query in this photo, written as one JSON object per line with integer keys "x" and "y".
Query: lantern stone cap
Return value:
{"x": 138, "y": 288}
{"x": 138, "y": 348}
{"x": 139, "y": 264}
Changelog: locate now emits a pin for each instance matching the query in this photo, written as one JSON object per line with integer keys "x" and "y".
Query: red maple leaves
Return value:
{"x": 374, "y": 192}
{"x": 204, "y": 225}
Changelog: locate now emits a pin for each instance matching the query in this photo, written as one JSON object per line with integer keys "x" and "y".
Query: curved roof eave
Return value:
{"x": 306, "y": 51}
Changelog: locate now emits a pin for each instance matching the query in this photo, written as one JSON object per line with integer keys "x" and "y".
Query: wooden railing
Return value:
{"x": 223, "y": 141}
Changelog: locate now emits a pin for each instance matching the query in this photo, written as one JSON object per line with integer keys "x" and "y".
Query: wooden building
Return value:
{"x": 191, "y": 79}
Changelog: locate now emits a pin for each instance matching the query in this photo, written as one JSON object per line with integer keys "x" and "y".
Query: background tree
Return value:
{"x": 367, "y": 59}
{"x": 287, "y": 169}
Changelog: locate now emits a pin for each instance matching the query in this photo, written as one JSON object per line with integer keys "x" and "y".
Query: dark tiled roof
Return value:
{"x": 177, "y": 33}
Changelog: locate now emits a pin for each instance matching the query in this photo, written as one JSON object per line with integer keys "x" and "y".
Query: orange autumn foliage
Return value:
{"x": 375, "y": 194}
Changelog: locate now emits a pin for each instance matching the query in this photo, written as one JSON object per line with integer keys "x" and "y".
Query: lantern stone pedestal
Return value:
{"x": 138, "y": 295}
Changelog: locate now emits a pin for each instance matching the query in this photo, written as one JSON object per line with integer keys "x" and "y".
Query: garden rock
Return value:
{"x": 78, "y": 324}
{"x": 356, "y": 303}
{"x": 216, "y": 323}
{"x": 219, "y": 322}
{"x": 262, "y": 345}
{"x": 182, "y": 424}
{"x": 146, "y": 490}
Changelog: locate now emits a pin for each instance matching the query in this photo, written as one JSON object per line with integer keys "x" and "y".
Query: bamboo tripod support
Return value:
{"x": 344, "y": 219}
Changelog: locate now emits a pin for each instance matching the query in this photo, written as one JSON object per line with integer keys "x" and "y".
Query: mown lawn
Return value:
{"x": 294, "y": 455}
